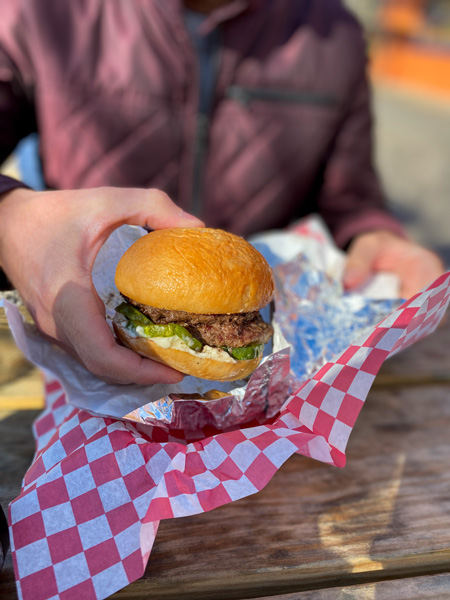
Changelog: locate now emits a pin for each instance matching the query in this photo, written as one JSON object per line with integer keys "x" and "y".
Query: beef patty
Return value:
{"x": 234, "y": 330}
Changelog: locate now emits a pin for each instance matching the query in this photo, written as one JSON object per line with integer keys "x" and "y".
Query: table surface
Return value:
{"x": 377, "y": 529}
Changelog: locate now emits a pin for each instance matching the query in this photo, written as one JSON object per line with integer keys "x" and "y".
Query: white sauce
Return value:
{"x": 207, "y": 351}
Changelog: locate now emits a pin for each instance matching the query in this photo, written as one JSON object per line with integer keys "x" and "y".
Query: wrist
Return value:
{"x": 11, "y": 204}
{"x": 16, "y": 192}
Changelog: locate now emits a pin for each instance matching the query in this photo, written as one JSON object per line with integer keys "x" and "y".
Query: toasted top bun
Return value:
{"x": 205, "y": 271}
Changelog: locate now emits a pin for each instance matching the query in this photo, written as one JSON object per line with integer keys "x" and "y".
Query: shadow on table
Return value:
{"x": 17, "y": 450}
{"x": 13, "y": 363}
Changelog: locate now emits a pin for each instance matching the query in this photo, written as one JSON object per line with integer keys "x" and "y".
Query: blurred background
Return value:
{"x": 409, "y": 48}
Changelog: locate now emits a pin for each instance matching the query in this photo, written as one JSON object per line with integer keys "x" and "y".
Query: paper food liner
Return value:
{"x": 85, "y": 521}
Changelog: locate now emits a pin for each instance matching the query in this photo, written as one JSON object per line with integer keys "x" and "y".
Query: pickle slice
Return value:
{"x": 149, "y": 329}
{"x": 169, "y": 330}
{"x": 133, "y": 314}
{"x": 247, "y": 352}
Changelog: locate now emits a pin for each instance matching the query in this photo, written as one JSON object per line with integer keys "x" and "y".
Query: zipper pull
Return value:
{"x": 239, "y": 94}
{"x": 200, "y": 149}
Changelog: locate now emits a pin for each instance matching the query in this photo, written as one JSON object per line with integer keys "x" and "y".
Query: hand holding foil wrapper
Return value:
{"x": 92, "y": 500}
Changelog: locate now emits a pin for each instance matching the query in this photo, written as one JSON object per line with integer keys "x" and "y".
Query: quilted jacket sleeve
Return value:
{"x": 17, "y": 116}
{"x": 351, "y": 200}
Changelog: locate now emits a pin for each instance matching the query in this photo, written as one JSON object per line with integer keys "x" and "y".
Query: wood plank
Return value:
{"x": 16, "y": 453}
{"x": 12, "y": 362}
{"x": 427, "y": 359}
{"x": 21, "y": 385}
{"x": 25, "y": 392}
{"x": 431, "y": 587}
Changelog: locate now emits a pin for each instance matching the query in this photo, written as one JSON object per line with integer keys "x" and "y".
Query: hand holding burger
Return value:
{"x": 191, "y": 302}
{"x": 48, "y": 245}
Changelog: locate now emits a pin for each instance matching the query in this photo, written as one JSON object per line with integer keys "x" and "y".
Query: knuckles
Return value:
{"x": 161, "y": 198}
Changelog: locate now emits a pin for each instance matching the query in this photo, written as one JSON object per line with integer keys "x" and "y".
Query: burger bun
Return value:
{"x": 196, "y": 270}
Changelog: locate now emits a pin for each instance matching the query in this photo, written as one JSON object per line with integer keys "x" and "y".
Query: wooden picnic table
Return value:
{"x": 377, "y": 529}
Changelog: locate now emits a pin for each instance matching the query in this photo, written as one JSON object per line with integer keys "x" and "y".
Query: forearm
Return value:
{"x": 351, "y": 200}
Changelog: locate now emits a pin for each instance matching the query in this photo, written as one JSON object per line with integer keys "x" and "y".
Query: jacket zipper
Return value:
{"x": 200, "y": 145}
{"x": 201, "y": 140}
{"x": 245, "y": 95}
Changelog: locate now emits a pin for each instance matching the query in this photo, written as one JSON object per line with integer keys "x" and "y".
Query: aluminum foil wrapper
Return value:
{"x": 259, "y": 398}
{"x": 317, "y": 318}
{"x": 313, "y": 320}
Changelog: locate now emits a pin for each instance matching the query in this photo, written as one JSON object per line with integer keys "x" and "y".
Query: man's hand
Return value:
{"x": 48, "y": 245}
{"x": 377, "y": 251}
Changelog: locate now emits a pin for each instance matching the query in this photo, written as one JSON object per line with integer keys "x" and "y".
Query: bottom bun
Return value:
{"x": 184, "y": 361}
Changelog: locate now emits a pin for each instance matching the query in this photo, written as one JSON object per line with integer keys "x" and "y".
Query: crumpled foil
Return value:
{"x": 313, "y": 321}
{"x": 317, "y": 318}
{"x": 266, "y": 390}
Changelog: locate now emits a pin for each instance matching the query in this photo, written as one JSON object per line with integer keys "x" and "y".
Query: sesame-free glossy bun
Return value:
{"x": 185, "y": 362}
{"x": 206, "y": 271}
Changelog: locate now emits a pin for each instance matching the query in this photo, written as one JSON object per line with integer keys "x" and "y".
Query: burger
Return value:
{"x": 191, "y": 300}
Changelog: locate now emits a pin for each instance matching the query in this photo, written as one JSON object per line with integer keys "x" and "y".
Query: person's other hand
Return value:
{"x": 377, "y": 251}
{"x": 48, "y": 245}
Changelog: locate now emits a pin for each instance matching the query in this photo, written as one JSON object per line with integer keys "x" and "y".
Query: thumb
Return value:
{"x": 360, "y": 263}
{"x": 149, "y": 208}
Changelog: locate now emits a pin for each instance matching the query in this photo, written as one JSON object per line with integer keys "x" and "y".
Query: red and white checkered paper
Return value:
{"x": 85, "y": 521}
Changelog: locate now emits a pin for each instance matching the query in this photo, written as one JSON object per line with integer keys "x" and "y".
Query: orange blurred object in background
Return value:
{"x": 412, "y": 47}
{"x": 403, "y": 16}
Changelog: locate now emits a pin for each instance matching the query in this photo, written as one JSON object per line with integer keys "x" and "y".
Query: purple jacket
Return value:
{"x": 112, "y": 89}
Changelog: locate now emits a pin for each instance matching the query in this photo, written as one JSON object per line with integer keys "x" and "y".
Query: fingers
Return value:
{"x": 83, "y": 331}
{"x": 117, "y": 364}
{"x": 147, "y": 208}
{"x": 378, "y": 251}
{"x": 421, "y": 271}
{"x": 359, "y": 265}
{"x": 109, "y": 208}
